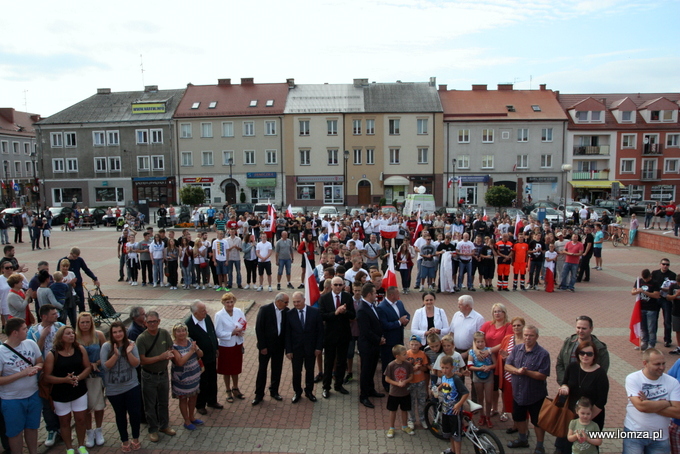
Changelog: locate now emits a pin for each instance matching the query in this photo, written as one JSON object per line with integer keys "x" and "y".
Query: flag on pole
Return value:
{"x": 2, "y": 182}
{"x": 419, "y": 228}
{"x": 460, "y": 182}
{"x": 311, "y": 287}
{"x": 272, "y": 218}
{"x": 518, "y": 225}
{"x": 636, "y": 319}
{"x": 390, "y": 279}
{"x": 450, "y": 183}
{"x": 289, "y": 211}
{"x": 15, "y": 186}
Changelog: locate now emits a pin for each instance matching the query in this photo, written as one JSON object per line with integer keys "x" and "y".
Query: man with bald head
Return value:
{"x": 201, "y": 329}
{"x": 270, "y": 331}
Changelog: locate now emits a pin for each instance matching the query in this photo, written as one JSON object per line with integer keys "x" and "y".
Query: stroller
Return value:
{"x": 101, "y": 308}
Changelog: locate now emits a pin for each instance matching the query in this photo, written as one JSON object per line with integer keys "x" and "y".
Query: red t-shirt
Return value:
{"x": 494, "y": 336}
{"x": 670, "y": 209}
{"x": 574, "y": 249}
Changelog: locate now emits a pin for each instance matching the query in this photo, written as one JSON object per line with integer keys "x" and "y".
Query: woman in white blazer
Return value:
{"x": 429, "y": 319}
{"x": 230, "y": 324}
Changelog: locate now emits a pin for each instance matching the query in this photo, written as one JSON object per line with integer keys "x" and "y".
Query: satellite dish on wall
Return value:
{"x": 420, "y": 190}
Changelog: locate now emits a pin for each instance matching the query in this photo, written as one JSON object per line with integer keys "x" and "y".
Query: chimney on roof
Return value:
{"x": 542, "y": 87}
{"x": 442, "y": 87}
{"x": 433, "y": 81}
{"x": 291, "y": 83}
{"x": 189, "y": 84}
{"x": 36, "y": 118}
{"x": 224, "y": 82}
{"x": 358, "y": 83}
{"x": 603, "y": 101}
{"x": 247, "y": 81}
{"x": 151, "y": 88}
{"x": 103, "y": 91}
{"x": 479, "y": 87}
{"x": 505, "y": 87}
{"x": 7, "y": 113}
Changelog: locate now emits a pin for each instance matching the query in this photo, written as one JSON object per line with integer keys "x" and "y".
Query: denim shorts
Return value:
{"x": 285, "y": 264}
{"x": 221, "y": 267}
{"x": 21, "y": 414}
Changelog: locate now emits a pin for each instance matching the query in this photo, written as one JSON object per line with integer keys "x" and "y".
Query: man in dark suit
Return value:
{"x": 393, "y": 319}
{"x": 370, "y": 340}
{"x": 337, "y": 309}
{"x": 304, "y": 342}
{"x": 270, "y": 331}
{"x": 201, "y": 329}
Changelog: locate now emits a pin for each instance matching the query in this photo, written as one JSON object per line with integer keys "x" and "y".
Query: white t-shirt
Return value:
{"x": 458, "y": 362}
{"x": 11, "y": 363}
{"x": 156, "y": 250}
{"x": 665, "y": 388}
{"x": 263, "y": 249}
{"x": 465, "y": 249}
{"x": 550, "y": 265}
{"x": 4, "y": 292}
{"x": 420, "y": 242}
{"x": 219, "y": 248}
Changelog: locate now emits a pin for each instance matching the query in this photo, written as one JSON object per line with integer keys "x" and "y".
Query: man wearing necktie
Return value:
{"x": 270, "y": 331}
{"x": 370, "y": 340}
{"x": 337, "y": 309}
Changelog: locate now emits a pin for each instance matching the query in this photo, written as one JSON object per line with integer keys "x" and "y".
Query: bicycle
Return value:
{"x": 484, "y": 441}
{"x": 619, "y": 236}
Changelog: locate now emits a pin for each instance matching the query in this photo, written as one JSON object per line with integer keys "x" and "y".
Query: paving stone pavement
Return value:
{"x": 341, "y": 424}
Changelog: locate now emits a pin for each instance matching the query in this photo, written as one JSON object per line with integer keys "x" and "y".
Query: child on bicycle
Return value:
{"x": 482, "y": 363}
{"x": 452, "y": 395}
{"x": 418, "y": 386}
{"x": 581, "y": 428}
{"x": 399, "y": 374}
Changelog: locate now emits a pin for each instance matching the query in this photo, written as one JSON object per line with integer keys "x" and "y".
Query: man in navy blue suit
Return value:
{"x": 393, "y": 319}
{"x": 304, "y": 342}
{"x": 370, "y": 340}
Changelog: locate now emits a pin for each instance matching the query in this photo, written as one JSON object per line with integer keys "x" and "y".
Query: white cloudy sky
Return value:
{"x": 55, "y": 54}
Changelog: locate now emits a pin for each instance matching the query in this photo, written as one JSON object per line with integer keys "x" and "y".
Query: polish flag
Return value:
{"x": 518, "y": 226}
{"x": 312, "y": 293}
{"x": 390, "y": 279}
{"x": 272, "y": 218}
{"x": 485, "y": 217}
{"x": 419, "y": 228}
{"x": 450, "y": 183}
{"x": 289, "y": 211}
{"x": 636, "y": 319}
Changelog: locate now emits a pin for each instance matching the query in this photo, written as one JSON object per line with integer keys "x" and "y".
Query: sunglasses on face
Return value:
{"x": 588, "y": 354}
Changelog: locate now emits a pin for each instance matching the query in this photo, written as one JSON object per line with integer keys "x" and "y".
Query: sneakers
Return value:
{"x": 270, "y": 288}
{"x": 278, "y": 286}
{"x": 407, "y": 430}
{"x": 290, "y": 286}
{"x": 246, "y": 287}
{"x": 423, "y": 424}
{"x": 71, "y": 451}
{"x": 51, "y": 438}
{"x": 348, "y": 378}
{"x": 99, "y": 436}
{"x": 82, "y": 450}
{"x": 421, "y": 289}
{"x": 218, "y": 289}
{"x": 301, "y": 286}
{"x": 203, "y": 287}
{"x": 411, "y": 425}
{"x": 672, "y": 352}
{"x": 390, "y": 433}
{"x": 89, "y": 438}
{"x": 667, "y": 344}
{"x": 259, "y": 289}
{"x": 154, "y": 286}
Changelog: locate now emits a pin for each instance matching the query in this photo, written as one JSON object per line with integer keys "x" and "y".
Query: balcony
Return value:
{"x": 594, "y": 175}
{"x": 651, "y": 149}
{"x": 651, "y": 175}
{"x": 602, "y": 150}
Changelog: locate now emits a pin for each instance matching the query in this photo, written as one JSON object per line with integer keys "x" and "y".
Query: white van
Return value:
{"x": 414, "y": 202}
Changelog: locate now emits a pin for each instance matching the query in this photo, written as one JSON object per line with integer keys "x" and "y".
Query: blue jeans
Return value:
{"x": 645, "y": 446}
{"x": 158, "y": 271}
{"x": 465, "y": 268}
{"x": 230, "y": 272}
{"x": 5, "y": 236}
{"x": 284, "y": 264}
{"x": 648, "y": 326}
{"x": 188, "y": 272}
{"x": 569, "y": 275}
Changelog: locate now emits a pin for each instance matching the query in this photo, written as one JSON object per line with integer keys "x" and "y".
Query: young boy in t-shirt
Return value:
{"x": 452, "y": 393}
{"x": 449, "y": 349}
{"x": 418, "y": 388}
{"x": 432, "y": 350}
{"x": 399, "y": 374}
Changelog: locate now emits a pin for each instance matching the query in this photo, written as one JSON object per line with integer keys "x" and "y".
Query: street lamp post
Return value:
{"x": 566, "y": 168}
{"x": 344, "y": 178}
{"x": 230, "y": 161}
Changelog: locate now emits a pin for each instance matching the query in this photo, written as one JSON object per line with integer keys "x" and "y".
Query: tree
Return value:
{"x": 499, "y": 196}
{"x": 192, "y": 195}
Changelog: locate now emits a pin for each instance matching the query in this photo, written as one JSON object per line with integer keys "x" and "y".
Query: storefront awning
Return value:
{"x": 595, "y": 184}
{"x": 260, "y": 182}
{"x": 396, "y": 181}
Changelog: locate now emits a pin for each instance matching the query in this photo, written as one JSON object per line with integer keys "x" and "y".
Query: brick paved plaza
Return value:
{"x": 341, "y": 424}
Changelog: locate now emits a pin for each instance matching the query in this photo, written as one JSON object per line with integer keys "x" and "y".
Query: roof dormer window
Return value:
{"x": 195, "y": 105}
{"x": 212, "y": 104}
{"x": 270, "y": 102}
{"x": 253, "y": 103}
{"x": 536, "y": 108}
{"x": 627, "y": 116}
{"x": 510, "y": 108}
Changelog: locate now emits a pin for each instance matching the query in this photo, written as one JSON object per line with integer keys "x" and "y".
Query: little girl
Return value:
{"x": 549, "y": 264}
{"x": 47, "y": 232}
{"x": 581, "y": 428}
{"x": 482, "y": 377}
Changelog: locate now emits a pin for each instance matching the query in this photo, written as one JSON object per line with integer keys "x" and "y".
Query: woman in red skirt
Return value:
{"x": 230, "y": 323}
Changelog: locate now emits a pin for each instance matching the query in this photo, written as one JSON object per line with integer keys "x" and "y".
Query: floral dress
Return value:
{"x": 186, "y": 379}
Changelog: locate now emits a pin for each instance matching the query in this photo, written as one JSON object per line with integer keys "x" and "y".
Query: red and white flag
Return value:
{"x": 289, "y": 211}
{"x": 450, "y": 183}
{"x": 390, "y": 279}
{"x": 389, "y": 231}
{"x": 485, "y": 217}
{"x": 272, "y": 218}
{"x": 518, "y": 226}
{"x": 419, "y": 228}
{"x": 311, "y": 287}
{"x": 636, "y": 319}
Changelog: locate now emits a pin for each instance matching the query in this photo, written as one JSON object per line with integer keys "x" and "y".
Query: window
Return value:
{"x": 536, "y": 108}
{"x": 463, "y": 136}
{"x": 56, "y": 139}
{"x": 584, "y": 116}
{"x": 505, "y": 135}
{"x": 547, "y": 135}
{"x": 333, "y": 157}
{"x": 60, "y": 195}
{"x": 487, "y": 161}
{"x": 357, "y": 156}
{"x": 672, "y": 140}
{"x": 249, "y": 157}
{"x": 306, "y": 191}
{"x": 546, "y": 161}
{"x": 57, "y": 165}
{"x": 332, "y": 126}
{"x": 595, "y": 115}
{"x": 227, "y": 129}
{"x": 17, "y": 168}
{"x": 581, "y": 115}
{"x": 304, "y": 157}
{"x": 4, "y": 146}
{"x": 15, "y": 147}
{"x": 100, "y": 164}
{"x": 670, "y": 165}
{"x": 370, "y": 156}
{"x": 522, "y": 161}
{"x": 394, "y": 127}
{"x": 207, "y": 158}
{"x": 253, "y": 103}
{"x": 226, "y": 156}
{"x": 422, "y": 155}
{"x": 143, "y": 163}
{"x": 487, "y": 135}
{"x": 109, "y": 194}
{"x": 523, "y": 135}
{"x": 157, "y": 136}
{"x": 248, "y": 128}
{"x": 29, "y": 168}
{"x": 370, "y": 127}
{"x": 628, "y": 166}
{"x": 627, "y": 115}
{"x": 71, "y": 164}
{"x": 206, "y": 130}
{"x": 142, "y": 136}
{"x": 667, "y": 115}
{"x": 422, "y": 125}
{"x": 304, "y": 127}
{"x": 463, "y": 161}
{"x": 185, "y": 131}
{"x": 270, "y": 103}
{"x": 70, "y": 139}
{"x": 628, "y": 141}
{"x": 114, "y": 164}
{"x": 98, "y": 138}
{"x": 271, "y": 157}
{"x": 394, "y": 156}
{"x": 157, "y": 162}
{"x": 195, "y": 105}
{"x": 187, "y": 159}
{"x": 356, "y": 127}
{"x": 112, "y": 138}
{"x": 332, "y": 193}
{"x": 270, "y": 128}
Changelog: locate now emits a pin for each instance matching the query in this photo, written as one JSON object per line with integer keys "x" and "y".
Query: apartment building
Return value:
{"x": 18, "y": 152}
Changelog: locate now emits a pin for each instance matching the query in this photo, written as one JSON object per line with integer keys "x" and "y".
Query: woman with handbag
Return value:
{"x": 584, "y": 377}
{"x": 186, "y": 374}
{"x": 92, "y": 339}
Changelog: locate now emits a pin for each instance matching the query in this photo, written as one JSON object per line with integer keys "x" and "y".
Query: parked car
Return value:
{"x": 640, "y": 206}
{"x": 59, "y": 214}
{"x": 262, "y": 209}
{"x": 297, "y": 210}
{"x": 539, "y": 204}
{"x": 551, "y": 214}
{"x": 388, "y": 209}
{"x": 615, "y": 206}
{"x": 513, "y": 212}
{"x": 242, "y": 208}
{"x": 328, "y": 210}
{"x": 11, "y": 211}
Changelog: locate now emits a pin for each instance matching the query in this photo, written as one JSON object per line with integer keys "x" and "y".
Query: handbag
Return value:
{"x": 555, "y": 416}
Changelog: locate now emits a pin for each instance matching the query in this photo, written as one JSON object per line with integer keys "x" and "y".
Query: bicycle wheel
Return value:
{"x": 434, "y": 419}
{"x": 624, "y": 239}
{"x": 616, "y": 239}
{"x": 488, "y": 443}
{"x": 605, "y": 235}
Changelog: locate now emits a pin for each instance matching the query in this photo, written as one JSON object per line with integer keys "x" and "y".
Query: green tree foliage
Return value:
{"x": 499, "y": 196}
{"x": 192, "y": 195}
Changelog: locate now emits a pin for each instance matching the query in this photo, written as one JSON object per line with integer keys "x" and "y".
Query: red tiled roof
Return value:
{"x": 659, "y": 104}
{"x": 624, "y": 104}
{"x": 589, "y": 104}
{"x": 232, "y": 100}
{"x": 13, "y": 122}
